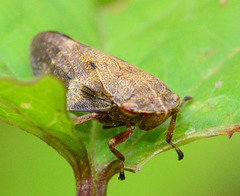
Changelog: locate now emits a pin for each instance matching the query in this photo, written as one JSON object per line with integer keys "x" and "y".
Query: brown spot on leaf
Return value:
{"x": 230, "y": 133}
{"x": 209, "y": 53}
{"x": 218, "y": 84}
{"x": 223, "y": 3}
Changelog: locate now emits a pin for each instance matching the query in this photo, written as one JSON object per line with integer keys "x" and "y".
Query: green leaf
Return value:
{"x": 21, "y": 104}
{"x": 193, "y": 46}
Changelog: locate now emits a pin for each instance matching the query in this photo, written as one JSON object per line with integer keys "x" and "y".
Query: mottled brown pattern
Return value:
{"x": 114, "y": 91}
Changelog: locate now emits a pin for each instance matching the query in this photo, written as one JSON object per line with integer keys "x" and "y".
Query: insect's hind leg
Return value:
{"x": 118, "y": 139}
{"x": 172, "y": 126}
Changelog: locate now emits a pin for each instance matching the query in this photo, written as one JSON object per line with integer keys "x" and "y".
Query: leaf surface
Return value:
{"x": 192, "y": 46}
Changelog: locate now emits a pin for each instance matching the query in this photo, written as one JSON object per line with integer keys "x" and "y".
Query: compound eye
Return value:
{"x": 130, "y": 109}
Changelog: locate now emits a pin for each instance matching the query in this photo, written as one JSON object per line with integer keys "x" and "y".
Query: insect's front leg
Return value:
{"x": 185, "y": 99}
{"x": 118, "y": 139}
{"x": 172, "y": 126}
{"x": 86, "y": 117}
{"x": 170, "y": 134}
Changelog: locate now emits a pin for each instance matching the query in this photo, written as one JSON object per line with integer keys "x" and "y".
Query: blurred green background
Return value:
{"x": 30, "y": 167}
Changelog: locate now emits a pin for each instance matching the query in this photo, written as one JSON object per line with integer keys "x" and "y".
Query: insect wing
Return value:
{"x": 62, "y": 56}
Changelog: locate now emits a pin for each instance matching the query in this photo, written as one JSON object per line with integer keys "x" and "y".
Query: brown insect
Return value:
{"x": 115, "y": 92}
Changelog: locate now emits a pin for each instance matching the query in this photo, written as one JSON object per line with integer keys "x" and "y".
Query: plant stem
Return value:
{"x": 96, "y": 183}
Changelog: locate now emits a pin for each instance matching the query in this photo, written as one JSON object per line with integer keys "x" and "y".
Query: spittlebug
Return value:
{"x": 115, "y": 92}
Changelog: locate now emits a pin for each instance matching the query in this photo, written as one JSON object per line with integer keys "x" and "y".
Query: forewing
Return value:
{"x": 109, "y": 68}
{"x": 83, "y": 99}
{"x": 61, "y": 56}
{"x": 58, "y": 54}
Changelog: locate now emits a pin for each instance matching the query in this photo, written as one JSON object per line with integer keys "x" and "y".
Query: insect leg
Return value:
{"x": 118, "y": 139}
{"x": 172, "y": 125}
{"x": 114, "y": 126}
{"x": 86, "y": 117}
{"x": 185, "y": 99}
{"x": 170, "y": 134}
